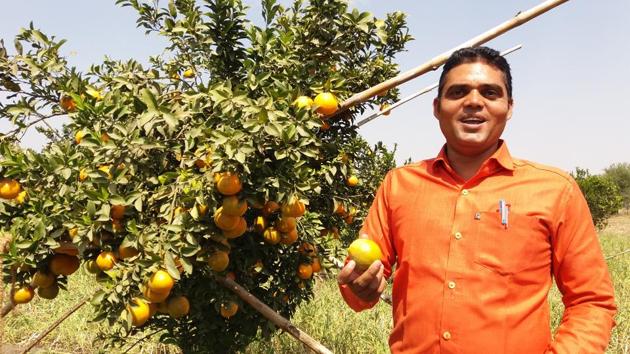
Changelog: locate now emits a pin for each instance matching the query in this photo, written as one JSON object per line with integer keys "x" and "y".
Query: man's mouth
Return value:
{"x": 472, "y": 120}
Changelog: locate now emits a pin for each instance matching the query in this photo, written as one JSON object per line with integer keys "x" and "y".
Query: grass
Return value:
{"x": 326, "y": 318}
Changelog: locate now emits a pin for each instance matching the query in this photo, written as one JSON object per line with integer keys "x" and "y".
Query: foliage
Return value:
{"x": 602, "y": 196}
{"x": 620, "y": 174}
{"x": 155, "y": 138}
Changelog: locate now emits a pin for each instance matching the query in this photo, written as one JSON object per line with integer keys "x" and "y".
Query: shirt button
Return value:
{"x": 458, "y": 235}
{"x": 451, "y": 285}
{"x": 465, "y": 192}
{"x": 446, "y": 335}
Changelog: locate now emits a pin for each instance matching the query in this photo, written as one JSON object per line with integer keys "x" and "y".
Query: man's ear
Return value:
{"x": 436, "y": 107}
{"x": 510, "y": 107}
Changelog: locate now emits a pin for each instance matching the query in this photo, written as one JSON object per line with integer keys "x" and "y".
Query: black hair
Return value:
{"x": 473, "y": 55}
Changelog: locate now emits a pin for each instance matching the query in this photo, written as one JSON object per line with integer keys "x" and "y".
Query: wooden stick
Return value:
{"x": 55, "y": 325}
{"x": 618, "y": 254}
{"x": 419, "y": 93}
{"x": 273, "y": 316}
{"x": 433, "y": 64}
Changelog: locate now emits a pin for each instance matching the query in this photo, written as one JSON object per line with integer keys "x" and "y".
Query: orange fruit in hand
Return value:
{"x": 352, "y": 181}
{"x": 364, "y": 252}
{"x": 9, "y": 188}
{"x": 22, "y": 295}
{"x": 229, "y": 309}
{"x": 219, "y": 261}
{"x": 139, "y": 310}
{"x": 49, "y": 292}
{"x": 303, "y": 102}
{"x": 229, "y": 184}
{"x": 326, "y": 103}
{"x": 305, "y": 271}
{"x": 117, "y": 211}
{"x": 178, "y": 306}
{"x": 161, "y": 282}
{"x": 63, "y": 264}
{"x": 106, "y": 260}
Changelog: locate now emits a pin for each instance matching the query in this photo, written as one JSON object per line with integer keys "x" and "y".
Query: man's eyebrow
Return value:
{"x": 482, "y": 86}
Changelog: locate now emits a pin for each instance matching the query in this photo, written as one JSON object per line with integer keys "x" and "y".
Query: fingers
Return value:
{"x": 347, "y": 273}
{"x": 370, "y": 284}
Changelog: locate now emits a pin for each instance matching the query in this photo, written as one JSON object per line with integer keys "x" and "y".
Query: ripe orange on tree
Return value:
{"x": 202, "y": 209}
{"x": 238, "y": 231}
{"x": 219, "y": 261}
{"x": 307, "y": 249}
{"x": 233, "y": 206}
{"x": 260, "y": 224}
{"x": 127, "y": 252}
{"x": 289, "y": 237}
{"x": 139, "y": 310}
{"x": 189, "y": 73}
{"x": 225, "y": 222}
{"x": 49, "y": 292}
{"x": 383, "y": 107}
{"x": 161, "y": 282}
{"x": 21, "y": 197}
{"x": 303, "y": 102}
{"x": 9, "y": 188}
{"x": 106, "y": 260}
{"x": 178, "y": 306}
{"x": 364, "y": 252}
{"x": 63, "y": 264}
{"x": 326, "y": 103}
{"x": 78, "y": 136}
{"x": 294, "y": 208}
{"x": 229, "y": 183}
{"x": 270, "y": 208}
{"x": 43, "y": 279}
{"x": 228, "y": 309}
{"x": 22, "y": 295}
{"x": 316, "y": 265}
{"x": 117, "y": 211}
{"x": 67, "y": 103}
{"x": 155, "y": 297}
{"x": 83, "y": 174}
{"x": 286, "y": 224}
{"x": 271, "y": 236}
{"x": 352, "y": 181}
{"x": 305, "y": 271}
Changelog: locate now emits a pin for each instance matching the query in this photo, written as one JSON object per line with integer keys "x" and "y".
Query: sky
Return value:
{"x": 571, "y": 79}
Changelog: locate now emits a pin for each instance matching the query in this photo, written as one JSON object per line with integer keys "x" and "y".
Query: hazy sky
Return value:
{"x": 571, "y": 79}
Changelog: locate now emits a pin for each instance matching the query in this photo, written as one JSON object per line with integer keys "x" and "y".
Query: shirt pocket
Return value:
{"x": 523, "y": 244}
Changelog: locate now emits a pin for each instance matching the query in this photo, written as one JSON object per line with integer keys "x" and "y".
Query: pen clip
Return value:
{"x": 504, "y": 211}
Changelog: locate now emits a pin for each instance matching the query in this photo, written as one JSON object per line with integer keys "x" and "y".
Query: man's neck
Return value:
{"x": 465, "y": 165}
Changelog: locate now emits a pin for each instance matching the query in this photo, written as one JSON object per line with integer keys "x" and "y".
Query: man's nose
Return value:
{"x": 473, "y": 99}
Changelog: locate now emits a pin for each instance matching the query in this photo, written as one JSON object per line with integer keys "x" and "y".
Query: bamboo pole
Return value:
{"x": 417, "y": 94}
{"x": 433, "y": 64}
{"x": 272, "y": 315}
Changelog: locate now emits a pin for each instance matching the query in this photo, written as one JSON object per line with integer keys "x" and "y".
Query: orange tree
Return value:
{"x": 206, "y": 161}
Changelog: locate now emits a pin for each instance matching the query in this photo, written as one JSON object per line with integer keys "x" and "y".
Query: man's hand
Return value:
{"x": 367, "y": 285}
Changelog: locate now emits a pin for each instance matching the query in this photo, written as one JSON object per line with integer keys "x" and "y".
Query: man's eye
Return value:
{"x": 457, "y": 92}
{"x": 492, "y": 93}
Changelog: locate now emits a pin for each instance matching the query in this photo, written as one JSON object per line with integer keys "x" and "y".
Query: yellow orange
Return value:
{"x": 352, "y": 181}
{"x": 326, "y": 103}
{"x": 22, "y": 295}
{"x": 364, "y": 252}
{"x": 189, "y": 73}
{"x": 225, "y": 222}
{"x": 228, "y": 309}
{"x": 271, "y": 236}
{"x": 21, "y": 197}
{"x": 78, "y": 136}
{"x": 233, "y": 206}
{"x": 161, "y": 282}
{"x": 303, "y": 102}
{"x": 229, "y": 183}
{"x": 9, "y": 188}
{"x": 383, "y": 107}
{"x": 260, "y": 224}
{"x": 202, "y": 209}
{"x": 106, "y": 260}
{"x": 155, "y": 297}
{"x": 294, "y": 208}
{"x": 238, "y": 231}
{"x": 139, "y": 310}
{"x": 219, "y": 261}
{"x": 178, "y": 306}
{"x": 83, "y": 174}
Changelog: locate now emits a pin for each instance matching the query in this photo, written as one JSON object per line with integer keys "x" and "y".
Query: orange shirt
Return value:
{"x": 467, "y": 281}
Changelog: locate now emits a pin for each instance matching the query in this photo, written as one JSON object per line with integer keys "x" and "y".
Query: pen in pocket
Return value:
{"x": 504, "y": 211}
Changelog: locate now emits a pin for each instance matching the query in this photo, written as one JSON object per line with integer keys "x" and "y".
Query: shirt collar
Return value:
{"x": 502, "y": 157}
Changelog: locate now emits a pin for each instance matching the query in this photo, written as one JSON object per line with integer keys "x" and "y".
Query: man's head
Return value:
{"x": 474, "y": 101}
{"x": 477, "y": 54}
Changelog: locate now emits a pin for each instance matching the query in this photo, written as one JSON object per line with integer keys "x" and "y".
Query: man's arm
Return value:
{"x": 362, "y": 291}
{"x": 582, "y": 276}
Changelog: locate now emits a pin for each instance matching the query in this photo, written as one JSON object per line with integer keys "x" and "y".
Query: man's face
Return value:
{"x": 473, "y": 109}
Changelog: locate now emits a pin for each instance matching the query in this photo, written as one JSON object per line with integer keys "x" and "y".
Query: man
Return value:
{"x": 476, "y": 236}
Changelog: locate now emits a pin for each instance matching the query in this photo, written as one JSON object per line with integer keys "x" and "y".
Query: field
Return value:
{"x": 326, "y": 318}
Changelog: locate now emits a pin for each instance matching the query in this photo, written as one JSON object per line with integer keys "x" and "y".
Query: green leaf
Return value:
{"x": 171, "y": 268}
{"x": 148, "y": 98}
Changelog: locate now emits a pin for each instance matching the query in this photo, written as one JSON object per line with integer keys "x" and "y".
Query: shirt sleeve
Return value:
{"x": 583, "y": 279}
{"x": 376, "y": 226}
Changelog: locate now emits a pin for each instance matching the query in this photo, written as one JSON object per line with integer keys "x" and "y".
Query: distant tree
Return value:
{"x": 602, "y": 195}
{"x": 620, "y": 174}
